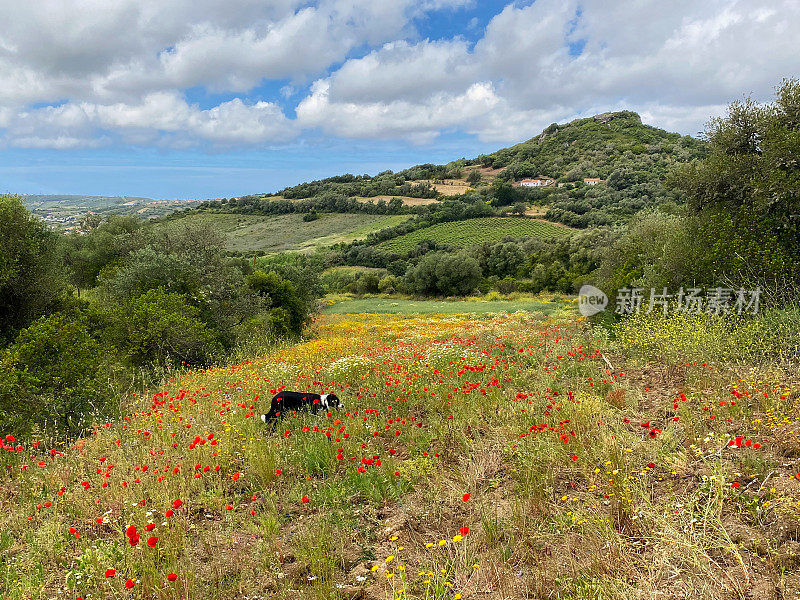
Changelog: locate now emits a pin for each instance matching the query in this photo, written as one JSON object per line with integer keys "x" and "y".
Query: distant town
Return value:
{"x": 65, "y": 211}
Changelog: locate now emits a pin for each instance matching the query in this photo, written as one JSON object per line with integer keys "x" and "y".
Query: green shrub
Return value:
{"x": 282, "y": 294}
{"x": 31, "y": 280}
{"x": 680, "y": 337}
{"x": 444, "y": 274}
{"x": 161, "y": 328}
{"x": 388, "y": 285}
{"x": 53, "y": 377}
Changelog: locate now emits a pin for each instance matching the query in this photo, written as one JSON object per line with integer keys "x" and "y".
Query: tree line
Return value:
{"x": 87, "y": 316}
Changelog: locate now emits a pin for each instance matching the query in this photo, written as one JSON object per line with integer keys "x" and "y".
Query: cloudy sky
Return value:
{"x": 211, "y": 98}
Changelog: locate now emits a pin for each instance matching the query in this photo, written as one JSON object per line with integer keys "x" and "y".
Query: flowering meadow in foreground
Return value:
{"x": 495, "y": 456}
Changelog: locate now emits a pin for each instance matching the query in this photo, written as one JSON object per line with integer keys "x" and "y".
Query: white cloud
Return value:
{"x": 90, "y": 49}
{"x": 161, "y": 118}
{"x": 417, "y": 122}
{"x": 403, "y": 71}
{"x": 677, "y": 63}
{"x": 116, "y": 72}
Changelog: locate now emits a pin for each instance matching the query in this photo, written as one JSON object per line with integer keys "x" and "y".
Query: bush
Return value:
{"x": 282, "y": 294}
{"x": 679, "y": 337}
{"x": 474, "y": 177}
{"x": 161, "y": 328}
{"x": 388, "y": 285}
{"x": 366, "y": 283}
{"x": 53, "y": 377}
{"x": 31, "y": 280}
{"x": 443, "y": 274}
{"x": 506, "y": 285}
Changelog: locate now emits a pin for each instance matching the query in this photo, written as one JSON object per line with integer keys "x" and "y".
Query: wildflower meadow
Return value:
{"x": 477, "y": 456}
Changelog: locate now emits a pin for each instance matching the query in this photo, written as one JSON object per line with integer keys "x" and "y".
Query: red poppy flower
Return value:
{"x": 651, "y": 465}
{"x": 736, "y": 485}
{"x": 465, "y": 497}
{"x": 305, "y": 499}
{"x": 177, "y": 503}
{"x": 169, "y": 513}
{"x": 152, "y": 541}
{"x": 172, "y": 577}
{"x": 235, "y": 476}
{"x": 150, "y": 527}
{"x": 464, "y": 530}
{"x": 130, "y": 583}
{"x": 111, "y": 573}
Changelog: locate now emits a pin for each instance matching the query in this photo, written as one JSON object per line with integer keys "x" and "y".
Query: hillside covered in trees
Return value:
{"x": 631, "y": 159}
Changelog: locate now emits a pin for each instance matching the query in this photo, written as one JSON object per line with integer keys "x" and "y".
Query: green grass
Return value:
{"x": 476, "y": 231}
{"x": 473, "y": 306}
{"x": 278, "y": 233}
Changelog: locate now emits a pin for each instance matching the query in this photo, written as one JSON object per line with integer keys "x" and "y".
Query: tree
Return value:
{"x": 190, "y": 262}
{"x": 746, "y": 192}
{"x": 283, "y": 297}
{"x": 504, "y": 259}
{"x": 31, "y": 279}
{"x": 445, "y": 274}
{"x": 519, "y": 208}
{"x": 504, "y": 193}
{"x": 161, "y": 328}
{"x": 53, "y": 377}
{"x": 474, "y": 177}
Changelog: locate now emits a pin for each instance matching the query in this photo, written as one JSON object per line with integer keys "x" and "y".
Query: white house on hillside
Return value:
{"x": 537, "y": 182}
{"x": 592, "y": 180}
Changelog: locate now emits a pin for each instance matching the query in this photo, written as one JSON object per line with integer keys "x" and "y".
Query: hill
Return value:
{"x": 632, "y": 161}
{"x": 629, "y": 160}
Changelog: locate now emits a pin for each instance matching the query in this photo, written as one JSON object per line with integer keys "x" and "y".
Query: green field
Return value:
{"x": 475, "y": 231}
{"x": 278, "y": 233}
{"x": 399, "y": 306}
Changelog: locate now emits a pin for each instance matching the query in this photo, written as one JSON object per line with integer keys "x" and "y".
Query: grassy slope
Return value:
{"x": 581, "y": 483}
{"x": 277, "y": 233}
{"x": 476, "y": 231}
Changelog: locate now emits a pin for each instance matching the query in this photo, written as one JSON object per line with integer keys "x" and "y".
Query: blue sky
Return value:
{"x": 213, "y": 98}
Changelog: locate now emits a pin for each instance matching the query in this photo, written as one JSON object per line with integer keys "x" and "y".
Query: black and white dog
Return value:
{"x": 287, "y": 402}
